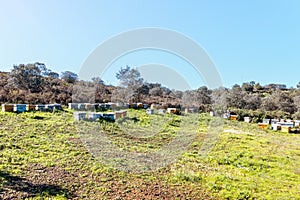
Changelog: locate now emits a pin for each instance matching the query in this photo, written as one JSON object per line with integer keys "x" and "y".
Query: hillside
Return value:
{"x": 36, "y": 84}
{"x": 42, "y": 156}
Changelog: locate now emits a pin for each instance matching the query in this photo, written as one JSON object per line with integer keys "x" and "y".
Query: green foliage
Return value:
{"x": 246, "y": 163}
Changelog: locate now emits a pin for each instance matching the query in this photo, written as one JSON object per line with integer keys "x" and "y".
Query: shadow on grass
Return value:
{"x": 21, "y": 185}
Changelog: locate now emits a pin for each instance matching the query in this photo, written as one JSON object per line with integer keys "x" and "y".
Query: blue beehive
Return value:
{"x": 94, "y": 116}
{"x": 109, "y": 116}
{"x": 162, "y": 111}
{"x": 57, "y": 106}
{"x": 20, "y": 108}
{"x": 40, "y": 107}
{"x": 96, "y": 105}
{"x": 49, "y": 107}
{"x": 73, "y": 106}
{"x": 150, "y": 111}
{"x": 79, "y": 116}
{"x": 81, "y": 106}
{"x": 107, "y": 106}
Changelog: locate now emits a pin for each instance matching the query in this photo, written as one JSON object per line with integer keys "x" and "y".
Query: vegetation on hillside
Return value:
{"x": 35, "y": 83}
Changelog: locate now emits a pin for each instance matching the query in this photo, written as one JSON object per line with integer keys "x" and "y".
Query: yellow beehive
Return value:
{"x": 233, "y": 117}
{"x": 263, "y": 125}
{"x": 285, "y": 129}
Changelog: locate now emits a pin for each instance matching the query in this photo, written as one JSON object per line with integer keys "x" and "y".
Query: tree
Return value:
{"x": 122, "y": 95}
{"x": 155, "y": 91}
{"x": 27, "y": 77}
{"x": 253, "y": 101}
{"x": 248, "y": 87}
{"x": 219, "y": 100}
{"x": 43, "y": 69}
{"x": 143, "y": 90}
{"x": 298, "y": 85}
{"x": 69, "y": 76}
{"x": 53, "y": 75}
{"x": 296, "y": 100}
{"x": 98, "y": 80}
{"x": 279, "y": 100}
{"x": 274, "y": 86}
{"x": 189, "y": 99}
{"x": 235, "y": 97}
{"x": 130, "y": 83}
{"x": 257, "y": 87}
{"x": 129, "y": 77}
{"x": 252, "y": 83}
{"x": 203, "y": 96}
{"x": 178, "y": 94}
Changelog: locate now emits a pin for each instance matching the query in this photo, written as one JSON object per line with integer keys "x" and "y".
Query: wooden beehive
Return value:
{"x": 173, "y": 111}
{"x": 285, "y": 129}
{"x": 7, "y": 107}
{"x": 233, "y": 117}
{"x": 89, "y": 106}
{"x": 120, "y": 114}
{"x": 263, "y": 125}
{"x": 30, "y": 107}
{"x": 140, "y": 105}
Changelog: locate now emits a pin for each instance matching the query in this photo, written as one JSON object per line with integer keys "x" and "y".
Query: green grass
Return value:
{"x": 43, "y": 155}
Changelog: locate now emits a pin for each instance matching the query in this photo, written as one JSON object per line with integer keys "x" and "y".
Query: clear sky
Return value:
{"x": 247, "y": 40}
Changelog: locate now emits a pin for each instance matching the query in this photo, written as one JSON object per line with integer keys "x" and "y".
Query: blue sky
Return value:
{"x": 247, "y": 40}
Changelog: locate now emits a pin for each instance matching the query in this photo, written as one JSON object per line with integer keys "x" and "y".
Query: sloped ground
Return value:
{"x": 42, "y": 156}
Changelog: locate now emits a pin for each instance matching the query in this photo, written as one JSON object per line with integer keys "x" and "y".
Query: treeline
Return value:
{"x": 35, "y": 83}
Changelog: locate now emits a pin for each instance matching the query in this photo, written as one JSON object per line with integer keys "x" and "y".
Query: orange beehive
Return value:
{"x": 263, "y": 125}
{"x": 233, "y": 117}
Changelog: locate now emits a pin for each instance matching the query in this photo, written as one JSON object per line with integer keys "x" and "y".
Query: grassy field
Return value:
{"x": 45, "y": 155}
